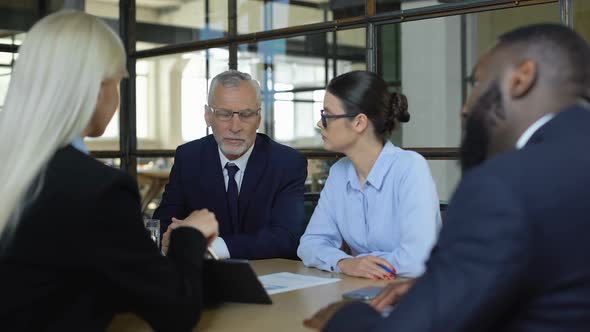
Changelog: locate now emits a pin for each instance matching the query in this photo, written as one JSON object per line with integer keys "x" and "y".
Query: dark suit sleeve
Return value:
{"x": 173, "y": 202}
{"x": 477, "y": 273}
{"x": 165, "y": 291}
{"x": 280, "y": 236}
{"x": 357, "y": 316}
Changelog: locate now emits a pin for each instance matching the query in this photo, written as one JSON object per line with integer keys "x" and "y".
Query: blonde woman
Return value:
{"x": 73, "y": 250}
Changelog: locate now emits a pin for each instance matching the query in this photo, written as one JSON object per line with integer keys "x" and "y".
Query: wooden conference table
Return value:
{"x": 285, "y": 314}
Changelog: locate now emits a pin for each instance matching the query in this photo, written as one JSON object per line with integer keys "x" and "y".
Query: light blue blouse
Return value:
{"x": 396, "y": 216}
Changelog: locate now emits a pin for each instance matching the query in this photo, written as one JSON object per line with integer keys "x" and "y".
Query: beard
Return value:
{"x": 475, "y": 143}
{"x": 232, "y": 150}
{"x": 236, "y": 151}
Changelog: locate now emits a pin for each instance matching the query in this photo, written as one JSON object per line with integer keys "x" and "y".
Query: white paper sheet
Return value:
{"x": 286, "y": 281}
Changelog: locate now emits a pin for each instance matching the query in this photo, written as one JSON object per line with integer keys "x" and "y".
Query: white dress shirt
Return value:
{"x": 218, "y": 246}
{"x": 532, "y": 129}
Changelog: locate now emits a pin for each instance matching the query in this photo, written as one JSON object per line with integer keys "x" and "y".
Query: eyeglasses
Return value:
{"x": 226, "y": 115}
{"x": 333, "y": 116}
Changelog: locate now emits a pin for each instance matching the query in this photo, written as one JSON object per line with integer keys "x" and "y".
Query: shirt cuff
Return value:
{"x": 333, "y": 261}
{"x": 220, "y": 248}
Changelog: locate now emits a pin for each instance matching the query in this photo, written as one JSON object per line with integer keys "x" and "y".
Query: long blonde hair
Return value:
{"x": 52, "y": 95}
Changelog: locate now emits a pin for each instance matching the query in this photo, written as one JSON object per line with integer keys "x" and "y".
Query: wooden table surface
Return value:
{"x": 284, "y": 315}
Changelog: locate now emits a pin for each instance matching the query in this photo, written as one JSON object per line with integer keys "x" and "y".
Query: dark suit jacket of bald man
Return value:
{"x": 514, "y": 254}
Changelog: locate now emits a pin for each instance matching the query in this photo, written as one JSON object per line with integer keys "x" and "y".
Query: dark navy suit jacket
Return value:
{"x": 514, "y": 253}
{"x": 271, "y": 211}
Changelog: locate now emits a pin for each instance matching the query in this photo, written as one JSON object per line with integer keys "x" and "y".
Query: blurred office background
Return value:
{"x": 423, "y": 48}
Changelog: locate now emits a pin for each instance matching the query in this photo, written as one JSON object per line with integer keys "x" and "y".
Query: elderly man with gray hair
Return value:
{"x": 253, "y": 185}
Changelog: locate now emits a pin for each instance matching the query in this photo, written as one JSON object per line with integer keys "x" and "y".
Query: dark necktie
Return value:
{"x": 232, "y": 194}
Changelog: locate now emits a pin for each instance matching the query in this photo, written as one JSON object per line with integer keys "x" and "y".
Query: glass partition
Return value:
{"x": 171, "y": 92}
{"x": 581, "y": 11}
{"x": 162, "y": 23}
{"x": 294, "y": 73}
{"x": 256, "y": 15}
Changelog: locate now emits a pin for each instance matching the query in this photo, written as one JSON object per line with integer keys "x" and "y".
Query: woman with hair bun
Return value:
{"x": 380, "y": 200}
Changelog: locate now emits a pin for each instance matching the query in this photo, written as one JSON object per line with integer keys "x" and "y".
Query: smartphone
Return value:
{"x": 365, "y": 294}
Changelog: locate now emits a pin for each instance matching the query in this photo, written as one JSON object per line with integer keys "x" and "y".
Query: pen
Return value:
{"x": 212, "y": 253}
{"x": 388, "y": 269}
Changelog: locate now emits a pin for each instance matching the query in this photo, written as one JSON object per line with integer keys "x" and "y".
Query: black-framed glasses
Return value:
{"x": 226, "y": 115}
{"x": 333, "y": 116}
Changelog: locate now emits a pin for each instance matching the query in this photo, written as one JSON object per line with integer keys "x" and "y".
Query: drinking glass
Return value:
{"x": 153, "y": 227}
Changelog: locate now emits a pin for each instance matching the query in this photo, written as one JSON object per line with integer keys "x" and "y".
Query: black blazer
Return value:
{"x": 80, "y": 254}
{"x": 514, "y": 254}
{"x": 271, "y": 211}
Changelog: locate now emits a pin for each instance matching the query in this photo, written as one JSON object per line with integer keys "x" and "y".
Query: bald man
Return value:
{"x": 514, "y": 252}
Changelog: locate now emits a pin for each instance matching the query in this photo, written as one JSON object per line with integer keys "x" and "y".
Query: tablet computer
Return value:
{"x": 232, "y": 280}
